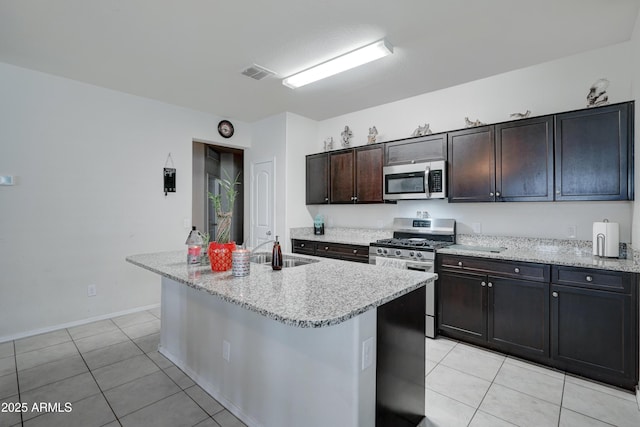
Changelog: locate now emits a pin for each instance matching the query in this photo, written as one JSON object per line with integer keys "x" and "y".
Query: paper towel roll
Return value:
{"x": 606, "y": 239}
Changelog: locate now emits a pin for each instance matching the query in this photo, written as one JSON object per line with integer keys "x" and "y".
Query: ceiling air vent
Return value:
{"x": 257, "y": 72}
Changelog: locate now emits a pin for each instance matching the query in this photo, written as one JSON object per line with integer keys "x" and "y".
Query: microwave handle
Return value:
{"x": 427, "y": 172}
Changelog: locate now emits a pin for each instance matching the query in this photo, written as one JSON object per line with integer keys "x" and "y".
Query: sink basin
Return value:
{"x": 287, "y": 260}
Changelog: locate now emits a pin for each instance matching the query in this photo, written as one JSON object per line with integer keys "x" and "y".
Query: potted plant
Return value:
{"x": 220, "y": 249}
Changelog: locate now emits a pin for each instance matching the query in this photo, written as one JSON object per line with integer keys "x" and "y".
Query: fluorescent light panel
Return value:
{"x": 345, "y": 62}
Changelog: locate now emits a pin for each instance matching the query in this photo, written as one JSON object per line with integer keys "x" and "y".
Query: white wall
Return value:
{"x": 551, "y": 87}
{"x": 269, "y": 142}
{"x": 301, "y": 133}
{"x": 89, "y": 165}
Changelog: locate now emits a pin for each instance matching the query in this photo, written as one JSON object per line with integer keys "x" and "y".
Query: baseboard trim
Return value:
{"x": 75, "y": 323}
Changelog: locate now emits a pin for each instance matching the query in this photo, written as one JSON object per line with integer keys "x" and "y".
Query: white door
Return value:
{"x": 262, "y": 202}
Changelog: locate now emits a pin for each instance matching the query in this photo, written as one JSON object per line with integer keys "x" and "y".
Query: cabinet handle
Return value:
{"x": 589, "y": 279}
{"x": 413, "y": 161}
{"x": 490, "y": 284}
{"x": 554, "y": 294}
{"x": 497, "y": 194}
{"x": 459, "y": 263}
{"x": 517, "y": 270}
{"x": 355, "y": 251}
{"x": 491, "y": 194}
{"x": 558, "y": 191}
{"x": 355, "y": 198}
{"x": 302, "y": 245}
{"x": 326, "y": 199}
{"x": 483, "y": 284}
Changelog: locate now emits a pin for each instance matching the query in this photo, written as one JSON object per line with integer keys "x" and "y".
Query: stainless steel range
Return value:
{"x": 413, "y": 247}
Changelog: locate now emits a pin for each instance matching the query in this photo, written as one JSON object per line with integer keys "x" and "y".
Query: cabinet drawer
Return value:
{"x": 304, "y": 246}
{"x": 342, "y": 251}
{"x": 515, "y": 269}
{"x": 613, "y": 281}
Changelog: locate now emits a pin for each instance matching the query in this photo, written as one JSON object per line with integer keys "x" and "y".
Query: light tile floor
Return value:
{"x": 468, "y": 386}
{"x": 113, "y": 375}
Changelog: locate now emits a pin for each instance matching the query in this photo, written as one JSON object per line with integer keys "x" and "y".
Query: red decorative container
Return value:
{"x": 220, "y": 255}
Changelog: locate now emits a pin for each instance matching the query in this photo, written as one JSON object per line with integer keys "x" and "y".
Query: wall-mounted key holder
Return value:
{"x": 169, "y": 177}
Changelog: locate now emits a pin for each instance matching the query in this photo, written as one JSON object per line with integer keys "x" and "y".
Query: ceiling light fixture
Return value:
{"x": 345, "y": 62}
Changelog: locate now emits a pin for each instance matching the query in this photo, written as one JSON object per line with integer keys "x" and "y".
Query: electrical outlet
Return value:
{"x": 226, "y": 350}
{"x": 92, "y": 291}
{"x": 367, "y": 353}
{"x": 477, "y": 227}
{"x": 572, "y": 231}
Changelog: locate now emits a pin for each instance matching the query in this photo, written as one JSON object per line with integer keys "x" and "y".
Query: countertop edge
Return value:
{"x": 280, "y": 318}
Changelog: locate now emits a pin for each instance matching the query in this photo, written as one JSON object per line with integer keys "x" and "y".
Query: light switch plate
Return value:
{"x": 477, "y": 227}
{"x": 572, "y": 231}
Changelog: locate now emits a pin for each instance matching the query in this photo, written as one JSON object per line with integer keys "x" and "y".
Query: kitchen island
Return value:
{"x": 326, "y": 343}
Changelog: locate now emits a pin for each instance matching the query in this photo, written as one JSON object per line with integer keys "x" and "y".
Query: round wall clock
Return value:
{"x": 225, "y": 128}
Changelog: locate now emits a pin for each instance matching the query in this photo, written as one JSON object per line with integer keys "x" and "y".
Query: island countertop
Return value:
{"x": 314, "y": 295}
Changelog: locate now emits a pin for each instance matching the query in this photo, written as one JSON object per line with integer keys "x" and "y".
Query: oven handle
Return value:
{"x": 422, "y": 266}
{"x": 427, "y": 172}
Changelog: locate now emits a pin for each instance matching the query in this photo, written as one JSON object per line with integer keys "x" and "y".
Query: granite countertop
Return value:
{"x": 349, "y": 236}
{"x": 545, "y": 251}
{"x": 314, "y": 295}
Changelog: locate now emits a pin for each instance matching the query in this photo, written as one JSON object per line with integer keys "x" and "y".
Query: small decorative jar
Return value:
{"x": 240, "y": 266}
{"x": 220, "y": 255}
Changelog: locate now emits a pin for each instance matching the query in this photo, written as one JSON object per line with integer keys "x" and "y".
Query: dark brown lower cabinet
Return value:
{"x": 592, "y": 334}
{"x": 462, "y": 307}
{"x": 580, "y": 320}
{"x": 505, "y": 314}
{"x": 518, "y": 317}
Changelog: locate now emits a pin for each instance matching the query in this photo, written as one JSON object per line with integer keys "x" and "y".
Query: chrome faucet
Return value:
{"x": 261, "y": 245}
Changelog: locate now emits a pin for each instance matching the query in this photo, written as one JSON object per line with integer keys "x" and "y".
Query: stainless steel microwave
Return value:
{"x": 415, "y": 181}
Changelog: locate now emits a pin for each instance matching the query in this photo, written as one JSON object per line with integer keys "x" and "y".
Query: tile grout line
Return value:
{"x": 15, "y": 360}
{"x": 94, "y": 379}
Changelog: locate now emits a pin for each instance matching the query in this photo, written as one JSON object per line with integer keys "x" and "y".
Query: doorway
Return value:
{"x": 211, "y": 163}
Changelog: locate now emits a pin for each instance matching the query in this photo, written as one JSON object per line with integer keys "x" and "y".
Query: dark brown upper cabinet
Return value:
{"x": 507, "y": 162}
{"x": 524, "y": 160}
{"x": 415, "y": 150}
{"x": 317, "y": 179}
{"x": 594, "y": 154}
{"x": 356, "y": 175}
{"x": 472, "y": 170}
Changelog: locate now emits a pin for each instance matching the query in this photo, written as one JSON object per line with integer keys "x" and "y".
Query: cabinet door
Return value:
{"x": 472, "y": 165}
{"x": 341, "y": 168}
{"x": 593, "y": 333}
{"x": 317, "y": 192}
{"x": 524, "y": 160}
{"x": 368, "y": 182}
{"x": 413, "y": 150}
{"x": 593, "y": 154}
{"x": 518, "y": 316}
{"x": 462, "y": 305}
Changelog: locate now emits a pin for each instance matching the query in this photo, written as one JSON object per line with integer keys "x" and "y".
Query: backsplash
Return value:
{"x": 584, "y": 247}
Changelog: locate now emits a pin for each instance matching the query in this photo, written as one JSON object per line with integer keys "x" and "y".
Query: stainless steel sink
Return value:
{"x": 287, "y": 260}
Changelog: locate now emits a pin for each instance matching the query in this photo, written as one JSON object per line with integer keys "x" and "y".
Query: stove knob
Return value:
{"x": 412, "y": 253}
{"x": 398, "y": 253}
{"x": 379, "y": 250}
{"x": 385, "y": 251}
{"x": 419, "y": 255}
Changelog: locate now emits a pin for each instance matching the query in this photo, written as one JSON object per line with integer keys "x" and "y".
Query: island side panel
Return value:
{"x": 277, "y": 375}
{"x": 401, "y": 361}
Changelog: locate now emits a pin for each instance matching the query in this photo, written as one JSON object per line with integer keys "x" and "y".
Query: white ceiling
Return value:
{"x": 191, "y": 52}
